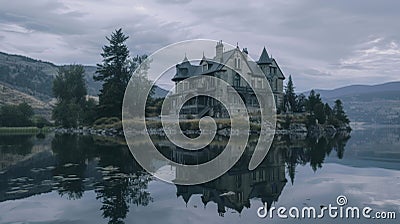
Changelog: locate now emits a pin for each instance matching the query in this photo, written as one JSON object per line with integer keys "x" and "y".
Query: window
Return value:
{"x": 238, "y": 180}
{"x": 237, "y": 63}
{"x": 205, "y": 67}
{"x": 271, "y": 177}
{"x": 276, "y": 84}
{"x": 261, "y": 175}
{"x": 240, "y": 196}
{"x": 236, "y": 80}
{"x": 260, "y": 84}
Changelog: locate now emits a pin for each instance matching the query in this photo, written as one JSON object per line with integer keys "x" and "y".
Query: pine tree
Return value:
{"x": 339, "y": 113}
{"x": 290, "y": 96}
{"x": 320, "y": 113}
{"x": 115, "y": 73}
{"x": 313, "y": 99}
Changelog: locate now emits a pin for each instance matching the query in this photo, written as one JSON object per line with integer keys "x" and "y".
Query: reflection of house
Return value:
{"x": 234, "y": 189}
{"x": 226, "y": 65}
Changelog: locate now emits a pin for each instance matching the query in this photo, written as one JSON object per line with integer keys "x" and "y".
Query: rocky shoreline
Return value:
{"x": 299, "y": 130}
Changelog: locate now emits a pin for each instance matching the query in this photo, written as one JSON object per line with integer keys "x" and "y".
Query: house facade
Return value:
{"x": 226, "y": 65}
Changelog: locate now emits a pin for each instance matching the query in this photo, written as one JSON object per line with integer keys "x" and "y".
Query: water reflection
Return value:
{"x": 234, "y": 189}
{"x": 72, "y": 165}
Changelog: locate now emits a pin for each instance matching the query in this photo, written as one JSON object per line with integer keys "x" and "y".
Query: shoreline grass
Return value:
{"x": 23, "y": 130}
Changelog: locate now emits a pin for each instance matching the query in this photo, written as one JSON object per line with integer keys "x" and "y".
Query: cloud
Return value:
{"x": 334, "y": 42}
{"x": 378, "y": 55}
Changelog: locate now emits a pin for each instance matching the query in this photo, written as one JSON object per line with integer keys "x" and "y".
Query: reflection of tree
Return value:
{"x": 314, "y": 151}
{"x": 72, "y": 153}
{"x": 116, "y": 195}
{"x": 339, "y": 145}
{"x": 16, "y": 144}
{"x": 122, "y": 180}
{"x": 123, "y": 183}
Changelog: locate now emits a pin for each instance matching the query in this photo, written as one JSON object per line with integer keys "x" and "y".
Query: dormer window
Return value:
{"x": 205, "y": 67}
{"x": 273, "y": 70}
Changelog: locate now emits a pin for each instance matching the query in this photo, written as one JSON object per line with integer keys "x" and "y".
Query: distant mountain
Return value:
{"x": 35, "y": 77}
{"x": 160, "y": 92}
{"x": 368, "y": 103}
{"x": 358, "y": 90}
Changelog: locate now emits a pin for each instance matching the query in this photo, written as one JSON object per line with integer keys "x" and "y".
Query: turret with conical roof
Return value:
{"x": 264, "y": 58}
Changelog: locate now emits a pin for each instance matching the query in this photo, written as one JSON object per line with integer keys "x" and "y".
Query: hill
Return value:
{"x": 24, "y": 79}
{"x": 10, "y": 95}
{"x": 368, "y": 103}
{"x": 35, "y": 77}
{"x": 358, "y": 90}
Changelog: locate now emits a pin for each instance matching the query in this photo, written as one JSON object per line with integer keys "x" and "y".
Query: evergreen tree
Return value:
{"x": 328, "y": 110}
{"x": 115, "y": 73}
{"x": 313, "y": 99}
{"x": 339, "y": 113}
{"x": 70, "y": 90}
{"x": 320, "y": 112}
{"x": 290, "y": 97}
{"x": 301, "y": 103}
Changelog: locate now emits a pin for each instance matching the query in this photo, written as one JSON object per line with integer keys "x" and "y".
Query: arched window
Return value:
{"x": 237, "y": 62}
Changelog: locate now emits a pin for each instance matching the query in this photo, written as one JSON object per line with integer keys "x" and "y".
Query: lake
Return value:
{"x": 90, "y": 179}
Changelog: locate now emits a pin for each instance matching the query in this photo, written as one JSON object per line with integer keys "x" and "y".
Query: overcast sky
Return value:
{"x": 322, "y": 44}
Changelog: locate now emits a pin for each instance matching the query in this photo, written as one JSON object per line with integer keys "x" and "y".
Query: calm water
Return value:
{"x": 83, "y": 179}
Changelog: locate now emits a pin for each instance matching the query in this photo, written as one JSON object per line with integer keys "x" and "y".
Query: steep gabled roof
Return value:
{"x": 281, "y": 75}
{"x": 264, "y": 58}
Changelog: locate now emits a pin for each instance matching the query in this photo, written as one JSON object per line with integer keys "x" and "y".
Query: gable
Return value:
{"x": 279, "y": 72}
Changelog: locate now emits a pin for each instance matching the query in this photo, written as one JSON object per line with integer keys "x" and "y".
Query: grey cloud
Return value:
{"x": 317, "y": 42}
{"x": 173, "y": 1}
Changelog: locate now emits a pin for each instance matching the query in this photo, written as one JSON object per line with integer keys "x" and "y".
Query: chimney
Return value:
{"x": 219, "y": 50}
{"x": 246, "y": 52}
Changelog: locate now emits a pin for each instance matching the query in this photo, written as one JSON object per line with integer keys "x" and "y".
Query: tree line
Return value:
{"x": 318, "y": 111}
{"x": 20, "y": 115}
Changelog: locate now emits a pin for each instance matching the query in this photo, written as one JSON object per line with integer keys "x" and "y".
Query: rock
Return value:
{"x": 298, "y": 127}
